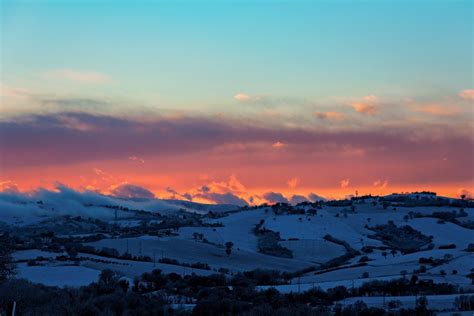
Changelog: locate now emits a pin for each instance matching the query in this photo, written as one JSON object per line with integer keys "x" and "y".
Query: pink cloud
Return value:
{"x": 242, "y": 97}
{"x": 344, "y": 183}
{"x": 293, "y": 183}
{"x": 43, "y": 148}
{"x": 467, "y": 94}
{"x": 381, "y": 184}
{"x": 221, "y": 192}
{"x": 439, "y": 110}
{"x": 137, "y": 159}
{"x": 368, "y": 105}
{"x": 332, "y": 116}
{"x": 278, "y": 145}
{"x": 9, "y": 186}
{"x": 75, "y": 123}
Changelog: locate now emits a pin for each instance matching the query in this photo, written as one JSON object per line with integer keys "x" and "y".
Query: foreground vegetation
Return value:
{"x": 155, "y": 293}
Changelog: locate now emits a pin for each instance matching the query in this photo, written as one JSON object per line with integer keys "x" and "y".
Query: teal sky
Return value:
{"x": 199, "y": 54}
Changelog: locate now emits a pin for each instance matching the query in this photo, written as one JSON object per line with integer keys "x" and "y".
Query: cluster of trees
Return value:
{"x": 451, "y": 217}
{"x": 404, "y": 238}
{"x": 107, "y": 252}
{"x": 418, "y": 199}
{"x": 108, "y": 296}
{"x": 213, "y": 295}
{"x": 402, "y": 287}
{"x": 197, "y": 265}
{"x": 7, "y": 267}
{"x": 464, "y": 302}
{"x": 268, "y": 242}
{"x": 153, "y": 292}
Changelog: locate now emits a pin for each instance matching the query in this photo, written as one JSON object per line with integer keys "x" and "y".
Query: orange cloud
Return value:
{"x": 242, "y": 97}
{"x": 293, "y": 183}
{"x": 467, "y": 94}
{"x": 381, "y": 184}
{"x": 42, "y": 150}
{"x": 332, "y": 116}
{"x": 103, "y": 175}
{"x": 224, "y": 192}
{"x": 344, "y": 183}
{"x": 8, "y": 186}
{"x": 278, "y": 145}
{"x": 368, "y": 105}
{"x": 439, "y": 110}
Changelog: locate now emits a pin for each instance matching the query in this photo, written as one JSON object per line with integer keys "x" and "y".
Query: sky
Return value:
{"x": 237, "y": 101}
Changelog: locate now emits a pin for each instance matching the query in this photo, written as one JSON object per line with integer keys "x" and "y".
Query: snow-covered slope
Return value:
{"x": 29, "y": 208}
{"x": 201, "y": 238}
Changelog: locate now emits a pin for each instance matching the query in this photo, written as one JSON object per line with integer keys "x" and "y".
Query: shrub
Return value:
{"x": 449, "y": 246}
{"x": 470, "y": 248}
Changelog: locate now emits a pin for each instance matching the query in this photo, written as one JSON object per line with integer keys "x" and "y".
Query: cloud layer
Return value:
{"x": 369, "y": 142}
{"x": 431, "y": 154}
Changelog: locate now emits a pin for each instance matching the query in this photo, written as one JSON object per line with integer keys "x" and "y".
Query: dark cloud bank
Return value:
{"x": 68, "y": 138}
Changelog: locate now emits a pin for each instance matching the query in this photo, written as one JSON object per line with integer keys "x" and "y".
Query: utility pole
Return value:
{"x": 12, "y": 308}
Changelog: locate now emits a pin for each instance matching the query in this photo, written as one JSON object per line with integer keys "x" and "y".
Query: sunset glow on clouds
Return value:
{"x": 243, "y": 115}
{"x": 368, "y": 105}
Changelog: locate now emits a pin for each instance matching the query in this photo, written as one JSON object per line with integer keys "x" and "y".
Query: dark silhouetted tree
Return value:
{"x": 7, "y": 267}
{"x": 228, "y": 247}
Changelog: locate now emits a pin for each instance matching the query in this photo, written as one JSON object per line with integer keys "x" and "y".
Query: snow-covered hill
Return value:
{"x": 324, "y": 244}
{"x": 28, "y": 208}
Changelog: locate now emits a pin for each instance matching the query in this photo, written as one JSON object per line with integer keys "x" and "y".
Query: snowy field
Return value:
{"x": 303, "y": 235}
{"x": 189, "y": 251}
{"x": 59, "y": 275}
{"x": 438, "y": 302}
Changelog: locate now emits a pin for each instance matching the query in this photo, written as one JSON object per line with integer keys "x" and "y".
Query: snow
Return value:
{"x": 317, "y": 251}
{"x": 61, "y": 276}
{"x": 34, "y": 253}
{"x": 339, "y": 227}
{"x": 132, "y": 269}
{"x": 193, "y": 251}
{"x": 436, "y": 302}
{"x": 20, "y": 209}
{"x": 302, "y": 234}
{"x": 300, "y": 285}
{"x": 443, "y": 233}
